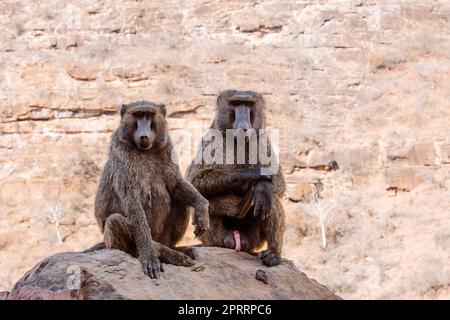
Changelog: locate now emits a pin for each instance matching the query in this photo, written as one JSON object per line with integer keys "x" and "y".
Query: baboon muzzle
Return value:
{"x": 143, "y": 136}
{"x": 242, "y": 120}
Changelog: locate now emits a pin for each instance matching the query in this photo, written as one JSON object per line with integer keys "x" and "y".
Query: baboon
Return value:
{"x": 141, "y": 202}
{"x": 245, "y": 206}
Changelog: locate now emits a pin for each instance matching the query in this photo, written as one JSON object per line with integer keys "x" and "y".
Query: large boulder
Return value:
{"x": 112, "y": 274}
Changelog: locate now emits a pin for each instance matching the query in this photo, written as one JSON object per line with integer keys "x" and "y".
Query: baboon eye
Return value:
{"x": 231, "y": 115}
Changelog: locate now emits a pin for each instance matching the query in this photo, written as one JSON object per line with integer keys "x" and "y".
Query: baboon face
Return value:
{"x": 239, "y": 110}
{"x": 143, "y": 124}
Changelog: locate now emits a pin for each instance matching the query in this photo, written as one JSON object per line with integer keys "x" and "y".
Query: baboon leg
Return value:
{"x": 179, "y": 214}
{"x": 117, "y": 234}
{"x": 225, "y": 207}
{"x": 274, "y": 228}
{"x": 189, "y": 251}
{"x": 273, "y": 231}
{"x": 171, "y": 256}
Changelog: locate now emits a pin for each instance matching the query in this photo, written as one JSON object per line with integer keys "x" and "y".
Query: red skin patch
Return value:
{"x": 237, "y": 240}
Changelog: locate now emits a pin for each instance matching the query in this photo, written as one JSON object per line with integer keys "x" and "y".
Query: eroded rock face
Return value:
{"x": 4, "y": 295}
{"x": 112, "y": 274}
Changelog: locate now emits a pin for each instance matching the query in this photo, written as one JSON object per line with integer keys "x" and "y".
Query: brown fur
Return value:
{"x": 142, "y": 200}
{"x": 228, "y": 187}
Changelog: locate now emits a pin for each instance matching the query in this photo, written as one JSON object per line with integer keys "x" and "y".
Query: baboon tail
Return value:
{"x": 98, "y": 246}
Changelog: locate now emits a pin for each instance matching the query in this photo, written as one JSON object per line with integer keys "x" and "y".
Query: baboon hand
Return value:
{"x": 262, "y": 200}
{"x": 151, "y": 265}
{"x": 201, "y": 219}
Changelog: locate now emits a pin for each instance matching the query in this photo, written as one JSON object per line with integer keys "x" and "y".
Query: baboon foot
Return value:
{"x": 177, "y": 258}
{"x": 269, "y": 258}
{"x": 152, "y": 266}
{"x": 117, "y": 235}
{"x": 189, "y": 251}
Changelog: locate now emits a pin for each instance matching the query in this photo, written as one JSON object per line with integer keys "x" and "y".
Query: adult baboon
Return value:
{"x": 142, "y": 199}
{"x": 245, "y": 203}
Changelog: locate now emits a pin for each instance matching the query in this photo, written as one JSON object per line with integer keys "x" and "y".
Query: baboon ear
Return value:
{"x": 123, "y": 109}
{"x": 162, "y": 106}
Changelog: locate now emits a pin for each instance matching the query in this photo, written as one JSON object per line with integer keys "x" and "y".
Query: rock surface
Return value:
{"x": 112, "y": 274}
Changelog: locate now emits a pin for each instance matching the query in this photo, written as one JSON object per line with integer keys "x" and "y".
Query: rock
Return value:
{"x": 300, "y": 191}
{"x": 315, "y": 159}
{"x": 443, "y": 152}
{"x": 261, "y": 276}
{"x": 83, "y": 74}
{"x": 420, "y": 154}
{"x": 129, "y": 74}
{"x": 113, "y": 274}
{"x": 356, "y": 158}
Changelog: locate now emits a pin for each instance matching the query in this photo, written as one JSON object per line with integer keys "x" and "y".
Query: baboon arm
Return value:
{"x": 210, "y": 182}
{"x": 185, "y": 192}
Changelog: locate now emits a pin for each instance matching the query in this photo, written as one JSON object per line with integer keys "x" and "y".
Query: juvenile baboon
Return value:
{"x": 244, "y": 202}
{"x": 142, "y": 199}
